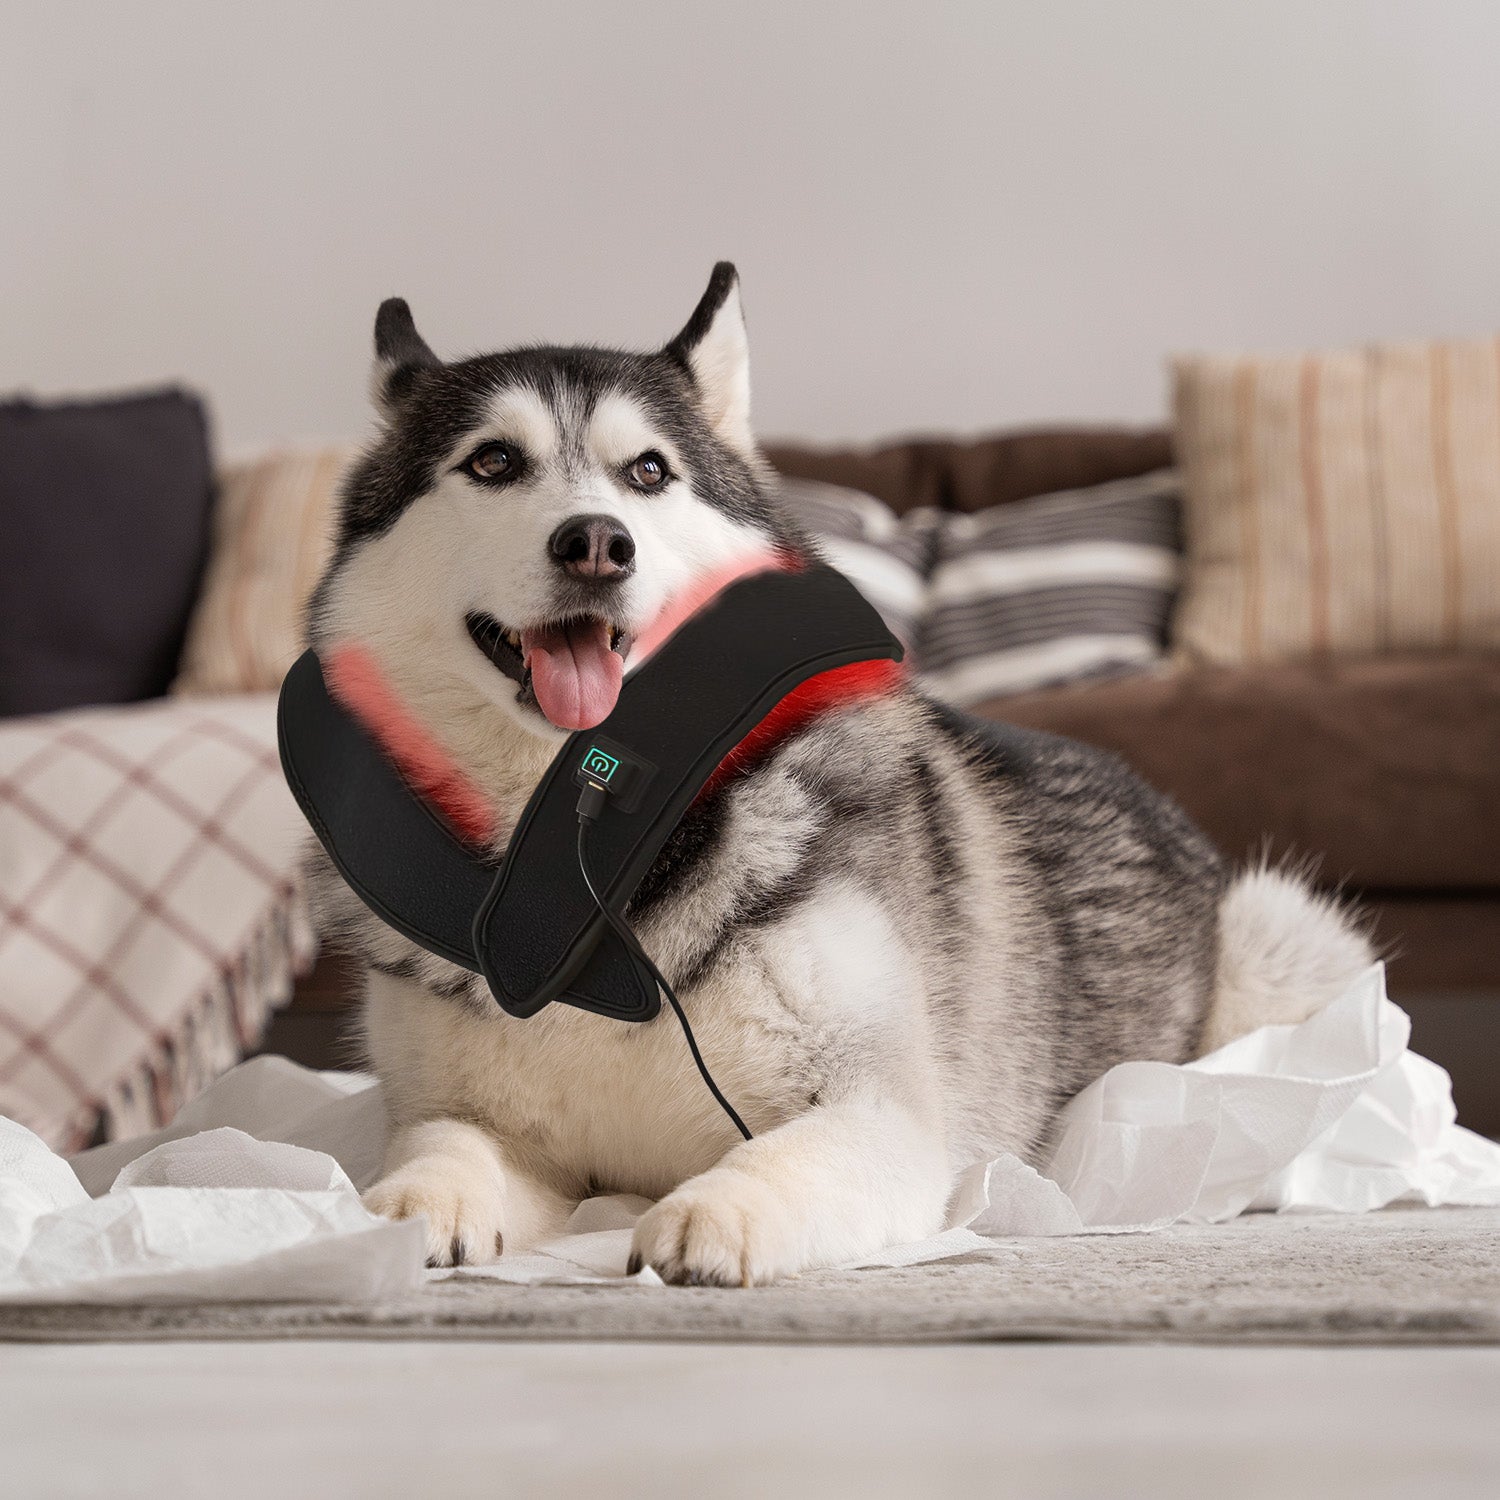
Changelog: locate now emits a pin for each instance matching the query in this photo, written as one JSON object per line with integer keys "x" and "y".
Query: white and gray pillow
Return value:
{"x": 1032, "y": 594}
{"x": 1051, "y": 590}
{"x": 886, "y": 556}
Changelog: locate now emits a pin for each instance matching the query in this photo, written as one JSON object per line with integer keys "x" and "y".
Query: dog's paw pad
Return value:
{"x": 463, "y": 1212}
{"x": 721, "y": 1229}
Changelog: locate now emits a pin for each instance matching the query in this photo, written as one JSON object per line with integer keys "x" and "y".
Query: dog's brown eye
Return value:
{"x": 649, "y": 471}
{"x": 493, "y": 461}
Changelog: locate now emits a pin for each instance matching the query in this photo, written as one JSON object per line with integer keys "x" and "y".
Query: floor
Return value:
{"x": 604, "y": 1420}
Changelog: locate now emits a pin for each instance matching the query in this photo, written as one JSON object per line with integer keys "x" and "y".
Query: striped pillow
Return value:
{"x": 1344, "y": 502}
{"x": 273, "y": 529}
{"x": 1050, "y": 590}
{"x": 884, "y": 555}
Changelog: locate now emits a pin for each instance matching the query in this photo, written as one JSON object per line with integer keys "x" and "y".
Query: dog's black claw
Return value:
{"x": 499, "y": 1243}
{"x": 456, "y": 1251}
{"x": 432, "y": 1263}
{"x": 634, "y": 1264}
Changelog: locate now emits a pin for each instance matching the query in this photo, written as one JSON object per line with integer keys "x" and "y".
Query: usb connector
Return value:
{"x": 591, "y": 801}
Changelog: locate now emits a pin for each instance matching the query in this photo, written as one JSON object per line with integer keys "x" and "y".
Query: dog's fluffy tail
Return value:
{"x": 1284, "y": 953}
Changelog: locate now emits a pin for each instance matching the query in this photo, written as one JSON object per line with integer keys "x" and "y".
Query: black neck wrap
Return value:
{"x": 529, "y": 925}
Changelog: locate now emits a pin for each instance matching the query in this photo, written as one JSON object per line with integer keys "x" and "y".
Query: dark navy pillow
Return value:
{"x": 104, "y": 529}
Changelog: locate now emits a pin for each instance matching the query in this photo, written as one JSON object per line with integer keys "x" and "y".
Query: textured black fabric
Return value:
{"x": 531, "y": 927}
{"x": 680, "y": 714}
{"x": 104, "y": 530}
{"x": 396, "y": 854}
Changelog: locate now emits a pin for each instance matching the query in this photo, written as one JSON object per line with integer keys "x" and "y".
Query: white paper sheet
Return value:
{"x": 217, "y": 1216}
{"x": 253, "y": 1192}
{"x": 1334, "y": 1114}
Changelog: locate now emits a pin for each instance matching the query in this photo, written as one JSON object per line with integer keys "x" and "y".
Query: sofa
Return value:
{"x": 1379, "y": 770}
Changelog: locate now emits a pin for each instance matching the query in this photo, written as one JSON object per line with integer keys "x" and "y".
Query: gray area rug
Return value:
{"x": 1400, "y": 1276}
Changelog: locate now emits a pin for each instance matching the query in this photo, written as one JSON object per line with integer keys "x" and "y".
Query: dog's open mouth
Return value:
{"x": 569, "y": 670}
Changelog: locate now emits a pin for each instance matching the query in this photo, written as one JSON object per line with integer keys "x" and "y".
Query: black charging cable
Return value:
{"x": 590, "y": 805}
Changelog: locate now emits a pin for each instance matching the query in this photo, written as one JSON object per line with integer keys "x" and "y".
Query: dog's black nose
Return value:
{"x": 596, "y": 547}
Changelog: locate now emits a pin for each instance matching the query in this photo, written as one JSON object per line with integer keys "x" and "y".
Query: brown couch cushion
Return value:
{"x": 975, "y": 474}
{"x": 1435, "y": 942}
{"x": 1385, "y": 768}
{"x": 904, "y": 475}
{"x": 995, "y": 471}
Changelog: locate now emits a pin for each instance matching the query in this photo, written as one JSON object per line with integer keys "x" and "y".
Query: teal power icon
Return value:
{"x": 599, "y": 765}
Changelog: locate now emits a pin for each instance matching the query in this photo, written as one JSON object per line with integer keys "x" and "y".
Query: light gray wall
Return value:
{"x": 946, "y": 215}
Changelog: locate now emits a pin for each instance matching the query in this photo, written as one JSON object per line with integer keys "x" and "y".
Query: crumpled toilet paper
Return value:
{"x": 218, "y": 1216}
{"x": 252, "y": 1194}
{"x": 1334, "y": 1114}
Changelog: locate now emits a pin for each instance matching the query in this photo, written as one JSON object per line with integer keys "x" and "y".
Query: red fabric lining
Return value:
{"x": 699, "y": 594}
{"x": 836, "y": 688}
{"x": 355, "y": 679}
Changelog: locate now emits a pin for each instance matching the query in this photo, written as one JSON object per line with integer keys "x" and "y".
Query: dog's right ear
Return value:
{"x": 400, "y": 352}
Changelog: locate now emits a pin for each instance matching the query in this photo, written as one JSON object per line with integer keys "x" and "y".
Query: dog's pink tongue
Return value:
{"x": 574, "y": 674}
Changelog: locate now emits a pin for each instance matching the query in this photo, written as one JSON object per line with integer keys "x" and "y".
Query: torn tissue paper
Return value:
{"x": 1334, "y": 1114}
{"x": 252, "y": 1194}
{"x": 218, "y": 1216}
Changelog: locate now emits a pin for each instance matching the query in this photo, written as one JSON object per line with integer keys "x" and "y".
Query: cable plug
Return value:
{"x": 591, "y": 801}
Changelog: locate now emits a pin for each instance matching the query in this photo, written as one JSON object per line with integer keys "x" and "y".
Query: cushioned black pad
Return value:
{"x": 531, "y": 928}
{"x": 394, "y": 852}
{"x": 391, "y": 848}
{"x": 681, "y": 714}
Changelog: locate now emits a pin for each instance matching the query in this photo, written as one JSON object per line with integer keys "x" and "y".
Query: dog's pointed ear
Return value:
{"x": 715, "y": 352}
{"x": 400, "y": 352}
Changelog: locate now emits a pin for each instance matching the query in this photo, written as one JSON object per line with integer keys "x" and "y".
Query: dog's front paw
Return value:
{"x": 725, "y": 1228}
{"x": 464, "y": 1208}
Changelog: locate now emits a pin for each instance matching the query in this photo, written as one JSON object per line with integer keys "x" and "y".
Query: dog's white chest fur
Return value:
{"x": 599, "y": 1104}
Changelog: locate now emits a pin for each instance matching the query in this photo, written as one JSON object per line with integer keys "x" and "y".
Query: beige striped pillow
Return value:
{"x": 1344, "y": 502}
{"x": 273, "y": 529}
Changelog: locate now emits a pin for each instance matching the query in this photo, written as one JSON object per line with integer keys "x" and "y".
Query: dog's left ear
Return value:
{"x": 400, "y": 352}
{"x": 714, "y": 351}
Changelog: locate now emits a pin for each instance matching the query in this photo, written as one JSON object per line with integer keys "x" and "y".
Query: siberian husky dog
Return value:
{"x": 901, "y": 949}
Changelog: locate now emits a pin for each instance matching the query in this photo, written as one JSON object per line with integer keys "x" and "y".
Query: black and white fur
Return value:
{"x": 899, "y": 957}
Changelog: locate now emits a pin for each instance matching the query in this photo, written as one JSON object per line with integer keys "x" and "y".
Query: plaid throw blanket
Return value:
{"x": 150, "y": 909}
